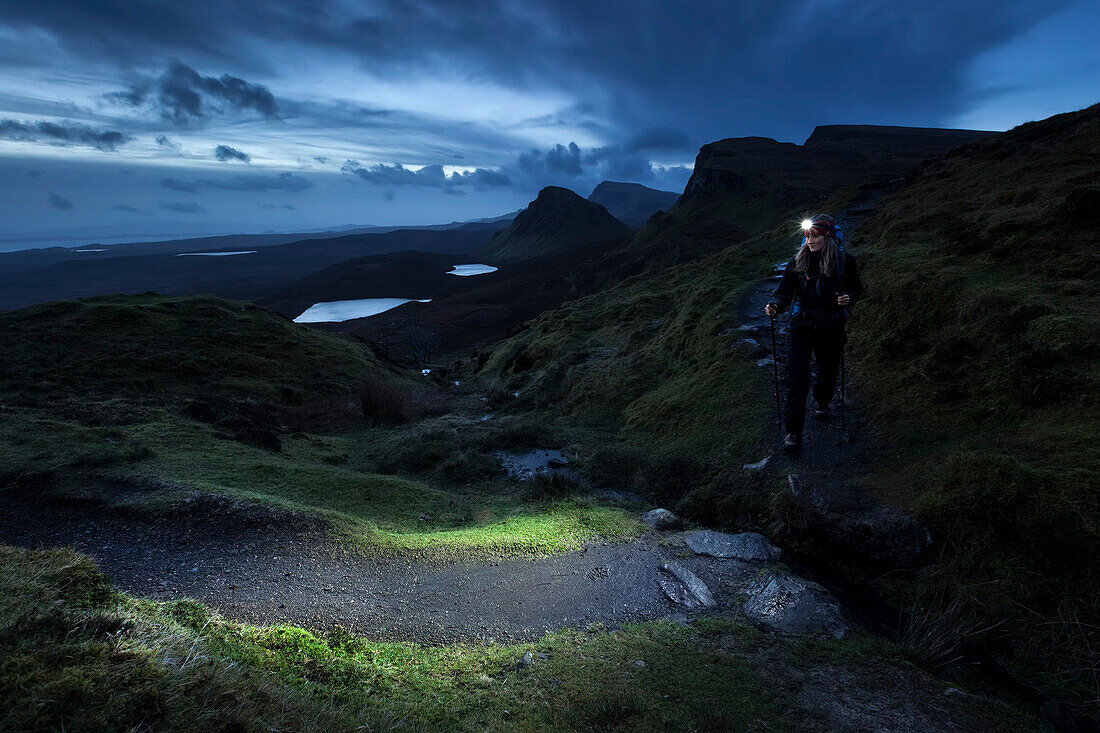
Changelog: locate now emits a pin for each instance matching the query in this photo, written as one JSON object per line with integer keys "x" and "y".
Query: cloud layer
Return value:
{"x": 61, "y": 134}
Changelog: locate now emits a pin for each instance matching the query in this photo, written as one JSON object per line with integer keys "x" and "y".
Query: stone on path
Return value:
{"x": 759, "y": 465}
{"x": 683, "y": 586}
{"x": 793, "y": 605}
{"x": 661, "y": 519}
{"x": 745, "y": 546}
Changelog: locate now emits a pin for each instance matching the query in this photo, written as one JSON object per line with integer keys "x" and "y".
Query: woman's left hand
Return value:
{"x": 842, "y": 299}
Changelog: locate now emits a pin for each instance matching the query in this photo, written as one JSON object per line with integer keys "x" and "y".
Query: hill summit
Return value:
{"x": 557, "y": 221}
{"x": 632, "y": 203}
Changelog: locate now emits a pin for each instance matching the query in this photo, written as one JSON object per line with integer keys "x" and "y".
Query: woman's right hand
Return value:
{"x": 770, "y": 310}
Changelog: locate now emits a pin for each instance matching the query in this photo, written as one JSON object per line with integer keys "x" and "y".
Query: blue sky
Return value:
{"x": 147, "y": 118}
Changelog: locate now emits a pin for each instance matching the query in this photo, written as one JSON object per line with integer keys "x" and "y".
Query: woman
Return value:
{"x": 823, "y": 282}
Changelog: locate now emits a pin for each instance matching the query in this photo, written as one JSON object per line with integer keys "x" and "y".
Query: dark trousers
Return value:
{"x": 825, "y": 343}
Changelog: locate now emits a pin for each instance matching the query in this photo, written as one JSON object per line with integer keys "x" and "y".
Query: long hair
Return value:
{"x": 828, "y": 252}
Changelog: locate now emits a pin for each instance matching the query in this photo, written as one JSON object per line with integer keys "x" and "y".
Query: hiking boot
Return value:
{"x": 821, "y": 411}
{"x": 792, "y": 442}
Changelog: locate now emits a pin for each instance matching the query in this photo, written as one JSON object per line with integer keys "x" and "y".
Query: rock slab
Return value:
{"x": 745, "y": 546}
{"x": 683, "y": 586}
{"x": 793, "y": 605}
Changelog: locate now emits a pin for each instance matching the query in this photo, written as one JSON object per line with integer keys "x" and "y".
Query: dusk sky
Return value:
{"x": 145, "y": 118}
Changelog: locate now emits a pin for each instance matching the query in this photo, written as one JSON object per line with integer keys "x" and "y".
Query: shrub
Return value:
{"x": 381, "y": 403}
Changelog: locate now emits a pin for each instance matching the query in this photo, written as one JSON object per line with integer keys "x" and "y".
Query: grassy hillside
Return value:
{"x": 976, "y": 353}
{"x": 151, "y": 344}
{"x": 649, "y": 381}
{"x": 140, "y": 401}
{"x": 977, "y": 350}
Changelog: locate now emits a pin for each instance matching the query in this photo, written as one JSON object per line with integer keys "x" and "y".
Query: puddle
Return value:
{"x": 346, "y": 310}
{"x": 467, "y": 270}
{"x": 524, "y": 466}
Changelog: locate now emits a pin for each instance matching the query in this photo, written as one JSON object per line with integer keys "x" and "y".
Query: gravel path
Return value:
{"x": 255, "y": 566}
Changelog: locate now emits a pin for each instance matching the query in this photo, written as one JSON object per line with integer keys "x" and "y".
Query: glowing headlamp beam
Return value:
{"x": 807, "y": 225}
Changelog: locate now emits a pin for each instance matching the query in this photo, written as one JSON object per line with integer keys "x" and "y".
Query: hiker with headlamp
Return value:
{"x": 819, "y": 284}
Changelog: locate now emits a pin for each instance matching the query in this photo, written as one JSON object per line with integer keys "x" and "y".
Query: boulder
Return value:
{"x": 661, "y": 519}
{"x": 745, "y": 546}
{"x": 792, "y": 605}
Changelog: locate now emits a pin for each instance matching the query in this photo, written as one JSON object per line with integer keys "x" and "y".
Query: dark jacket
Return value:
{"x": 815, "y": 295}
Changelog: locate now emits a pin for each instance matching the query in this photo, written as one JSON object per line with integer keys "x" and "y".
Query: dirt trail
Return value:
{"x": 289, "y": 572}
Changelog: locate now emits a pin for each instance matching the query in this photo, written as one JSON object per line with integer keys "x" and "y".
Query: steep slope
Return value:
{"x": 979, "y": 351}
{"x": 632, "y": 203}
{"x": 743, "y": 187}
{"x": 556, "y": 222}
{"x": 976, "y": 353}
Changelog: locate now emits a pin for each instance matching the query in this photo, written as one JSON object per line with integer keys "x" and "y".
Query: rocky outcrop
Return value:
{"x": 556, "y": 222}
{"x": 832, "y": 157}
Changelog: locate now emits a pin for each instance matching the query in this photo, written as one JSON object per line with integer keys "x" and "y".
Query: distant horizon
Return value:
{"x": 126, "y": 119}
{"x": 48, "y": 241}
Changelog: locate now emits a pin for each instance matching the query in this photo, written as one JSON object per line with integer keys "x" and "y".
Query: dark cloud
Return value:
{"x": 178, "y": 185}
{"x": 127, "y": 209}
{"x": 432, "y": 176}
{"x": 55, "y": 133}
{"x": 320, "y": 159}
{"x": 58, "y": 201}
{"x": 566, "y": 165}
{"x": 561, "y": 159}
{"x": 661, "y": 139}
{"x": 182, "y": 94}
{"x": 181, "y": 207}
{"x": 616, "y": 164}
{"x": 285, "y": 181}
{"x": 224, "y": 153}
{"x": 164, "y": 142}
{"x": 281, "y": 182}
{"x": 581, "y": 169}
{"x": 711, "y": 68}
{"x": 288, "y": 207}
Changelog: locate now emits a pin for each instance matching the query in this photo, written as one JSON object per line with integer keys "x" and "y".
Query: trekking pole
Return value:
{"x": 842, "y": 395}
{"x": 775, "y": 371}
